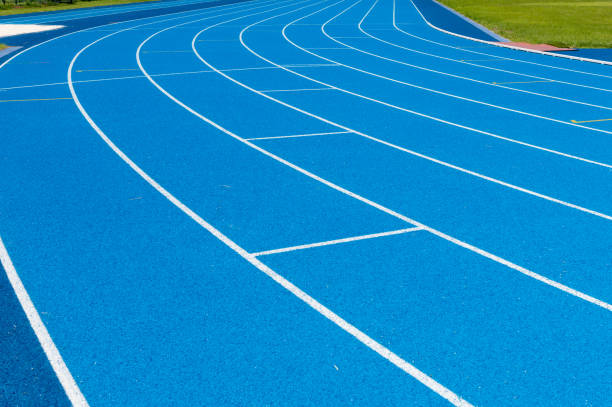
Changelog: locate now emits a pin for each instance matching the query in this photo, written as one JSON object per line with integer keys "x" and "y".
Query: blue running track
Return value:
{"x": 302, "y": 203}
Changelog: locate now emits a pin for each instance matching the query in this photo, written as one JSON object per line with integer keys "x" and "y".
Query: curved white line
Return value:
{"x": 40, "y": 330}
{"x": 497, "y": 44}
{"x": 446, "y": 93}
{"x": 438, "y": 233}
{"x": 345, "y": 191}
{"x": 501, "y": 44}
{"x": 212, "y": 9}
{"x": 56, "y": 361}
{"x": 534, "y": 146}
{"x": 420, "y": 67}
{"x": 495, "y": 56}
{"x": 406, "y": 150}
{"x": 303, "y": 296}
{"x": 78, "y": 14}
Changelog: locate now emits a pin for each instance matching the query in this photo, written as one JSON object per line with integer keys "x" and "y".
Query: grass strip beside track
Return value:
{"x": 568, "y": 23}
{"x": 3, "y": 46}
{"x": 33, "y": 7}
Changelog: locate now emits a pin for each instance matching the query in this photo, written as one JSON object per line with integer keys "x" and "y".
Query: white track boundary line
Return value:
{"x": 511, "y": 140}
{"x": 467, "y": 62}
{"x": 406, "y": 150}
{"x": 493, "y": 84}
{"x": 336, "y": 241}
{"x": 55, "y": 358}
{"x": 465, "y": 77}
{"x": 501, "y": 44}
{"x": 396, "y": 28}
{"x": 56, "y": 361}
{"x": 310, "y": 301}
{"x": 212, "y": 9}
{"x": 345, "y": 191}
{"x": 298, "y": 135}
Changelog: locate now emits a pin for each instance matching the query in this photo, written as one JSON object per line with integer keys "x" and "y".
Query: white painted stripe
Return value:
{"x": 337, "y": 241}
{"x": 417, "y": 154}
{"x": 494, "y": 84}
{"x": 345, "y": 191}
{"x": 327, "y": 313}
{"x": 465, "y": 77}
{"x": 116, "y": 78}
{"x": 396, "y": 28}
{"x": 188, "y": 12}
{"x": 293, "y": 90}
{"x": 298, "y": 135}
{"x": 55, "y": 358}
{"x": 56, "y": 361}
{"x": 472, "y": 22}
{"x": 511, "y": 140}
{"x": 503, "y": 45}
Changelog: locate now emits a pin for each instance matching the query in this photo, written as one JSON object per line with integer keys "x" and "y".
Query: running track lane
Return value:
{"x": 499, "y": 337}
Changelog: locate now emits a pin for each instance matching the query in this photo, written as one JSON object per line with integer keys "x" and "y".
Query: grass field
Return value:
{"x": 9, "y": 8}
{"x": 2, "y": 46}
{"x": 576, "y": 23}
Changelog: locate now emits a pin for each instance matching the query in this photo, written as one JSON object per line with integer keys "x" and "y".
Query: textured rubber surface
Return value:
{"x": 448, "y": 199}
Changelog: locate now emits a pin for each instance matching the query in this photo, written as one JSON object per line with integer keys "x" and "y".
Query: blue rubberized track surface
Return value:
{"x": 303, "y": 203}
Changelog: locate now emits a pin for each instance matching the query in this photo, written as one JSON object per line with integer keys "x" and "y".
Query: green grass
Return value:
{"x": 10, "y": 8}
{"x": 575, "y": 23}
{"x": 2, "y": 46}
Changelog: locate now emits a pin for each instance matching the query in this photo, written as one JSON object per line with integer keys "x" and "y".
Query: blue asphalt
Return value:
{"x": 471, "y": 142}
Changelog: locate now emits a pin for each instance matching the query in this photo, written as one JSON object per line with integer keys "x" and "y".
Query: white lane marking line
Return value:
{"x": 298, "y": 135}
{"x": 450, "y": 75}
{"x": 210, "y": 10}
{"x": 423, "y": 156}
{"x": 464, "y": 77}
{"x": 56, "y": 361}
{"x": 491, "y": 55}
{"x": 477, "y": 250}
{"x": 293, "y": 90}
{"x": 326, "y": 312}
{"x": 548, "y": 150}
{"x": 502, "y": 44}
{"x": 55, "y": 358}
{"x": 397, "y": 361}
{"x": 496, "y": 84}
{"x": 336, "y": 241}
{"x": 117, "y": 78}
